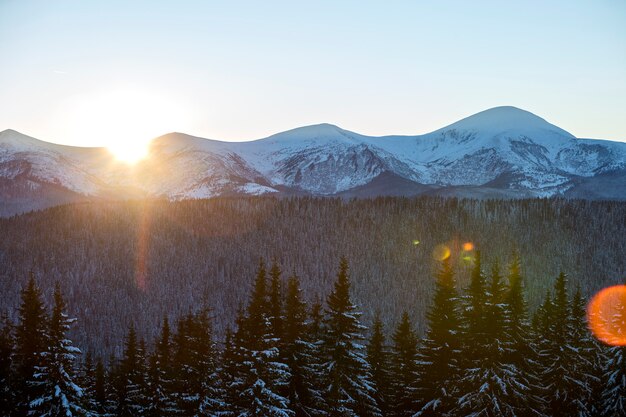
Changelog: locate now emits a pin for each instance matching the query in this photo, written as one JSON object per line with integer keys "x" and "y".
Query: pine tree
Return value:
{"x": 31, "y": 341}
{"x": 613, "y": 400}
{"x": 7, "y": 346}
{"x": 113, "y": 387}
{"x": 211, "y": 394}
{"x": 378, "y": 360}
{"x": 87, "y": 381}
{"x": 261, "y": 377}
{"x": 232, "y": 370}
{"x": 439, "y": 354}
{"x": 142, "y": 376}
{"x": 275, "y": 301}
{"x": 473, "y": 304}
{"x": 347, "y": 374}
{"x": 56, "y": 377}
{"x": 130, "y": 379}
{"x": 585, "y": 364}
{"x": 495, "y": 387}
{"x": 403, "y": 369}
{"x": 300, "y": 355}
{"x": 99, "y": 390}
{"x": 160, "y": 376}
{"x": 523, "y": 354}
{"x": 186, "y": 382}
{"x": 562, "y": 383}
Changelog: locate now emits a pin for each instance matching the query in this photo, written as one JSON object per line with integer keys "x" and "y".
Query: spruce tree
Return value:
{"x": 378, "y": 359}
{"x": 439, "y": 354}
{"x": 347, "y": 375}
{"x": 186, "y": 382}
{"x": 232, "y": 370}
{"x": 99, "y": 390}
{"x": 31, "y": 341}
{"x": 262, "y": 378}
{"x": 275, "y": 301}
{"x": 300, "y": 354}
{"x": 473, "y": 304}
{"x": 613, "y": 399}
{"x": 160, "y": 376}
{"x": 403, "y": 369}
{"x": 130, "y": 379}
{"x": 204, "y": 349}
{"x": 524, "y": 352}
{"x": 56, "y": 376}
{"x": 87, "y": 381}
{"x": 7, "y": 346}
{"x": 494, "y": 386}
{"x": 586, "y": 368}
{"x": 564, "y": 385}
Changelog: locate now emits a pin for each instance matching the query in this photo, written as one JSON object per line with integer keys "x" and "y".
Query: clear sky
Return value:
{"x": 94, "y": 72}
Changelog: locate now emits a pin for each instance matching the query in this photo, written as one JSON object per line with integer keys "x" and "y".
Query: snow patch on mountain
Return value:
{"x": 504, "y": 148}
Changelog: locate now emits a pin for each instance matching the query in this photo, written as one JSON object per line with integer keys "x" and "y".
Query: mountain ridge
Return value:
{"x": 504, "y": 151}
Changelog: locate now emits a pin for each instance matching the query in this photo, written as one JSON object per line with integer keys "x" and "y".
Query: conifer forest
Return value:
{"x": 312, "y": 307}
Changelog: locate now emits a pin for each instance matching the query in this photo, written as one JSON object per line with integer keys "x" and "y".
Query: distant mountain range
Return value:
{"x": 504, "y": 152}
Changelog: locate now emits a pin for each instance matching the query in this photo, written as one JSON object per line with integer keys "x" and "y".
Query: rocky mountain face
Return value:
{"x": 503, "y": 152}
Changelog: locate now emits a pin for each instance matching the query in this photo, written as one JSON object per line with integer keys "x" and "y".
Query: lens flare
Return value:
{"x": 468, "y": 259}
{"x": 468, "y": 246}
{"x": 606, "y": 315}
{"x": 441, "y": 252}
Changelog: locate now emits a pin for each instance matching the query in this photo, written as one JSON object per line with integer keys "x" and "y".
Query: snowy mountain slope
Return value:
{"x": 504, "y": 152}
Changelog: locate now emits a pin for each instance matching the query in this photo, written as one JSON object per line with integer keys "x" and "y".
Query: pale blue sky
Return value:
{"x": 86, "y": 72}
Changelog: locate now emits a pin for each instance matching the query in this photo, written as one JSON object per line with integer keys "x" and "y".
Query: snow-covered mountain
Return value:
{"x": 500, "y": 152}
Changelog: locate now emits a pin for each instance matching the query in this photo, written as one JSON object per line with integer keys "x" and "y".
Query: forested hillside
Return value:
{"x": 146, "y": 259}
{"x": 481, "y": 355}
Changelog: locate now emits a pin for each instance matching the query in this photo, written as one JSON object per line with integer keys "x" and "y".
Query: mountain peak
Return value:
{"x": 312, "y": 131}
{"x": 505, "y": 118}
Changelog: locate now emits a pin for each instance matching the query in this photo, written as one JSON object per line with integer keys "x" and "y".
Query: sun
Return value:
{"x": 130, "y": 153}
{"x": 124, "y": 121}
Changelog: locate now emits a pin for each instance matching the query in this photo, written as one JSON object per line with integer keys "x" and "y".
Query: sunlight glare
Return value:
{"x": 606, "y": 315}
{"x": 441, "y": 252}
{"x": 122, "y": 120}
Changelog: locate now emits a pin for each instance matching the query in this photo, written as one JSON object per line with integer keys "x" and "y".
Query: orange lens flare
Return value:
{"x": 606, "y": 315}
{"x": 468, "y": 246}
{"x": 441, "y": 252}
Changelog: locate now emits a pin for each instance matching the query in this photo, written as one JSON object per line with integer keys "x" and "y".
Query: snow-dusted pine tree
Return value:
{"x": 523, "y": 354}
{"x": 347, "y": 375}
{"x": 300, "y": 354}
{"x": 130, "y": 379}
{"x": 60, "y": 395}
{"x": 493, "y": 386}
{"x": 275, "y": 300}
{"x": 31, "y": 342}
{"x": 87, "y": 381}
{"x": 379, "y": 360}
{"x": 439, "y": 354}
{"x": 585, "y": 365}
{"x": 160, "y": 377}
{"x": 563, "y": 380}
{"x": 613, "y": 401}
{"x": 262, "y": 379}
{"x": 403, "y": 370}
{"x": 7, "y": 397}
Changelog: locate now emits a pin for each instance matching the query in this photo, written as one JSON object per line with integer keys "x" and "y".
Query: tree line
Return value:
{"x": 482, "y": 355}
{"x": 188, "y": 253}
